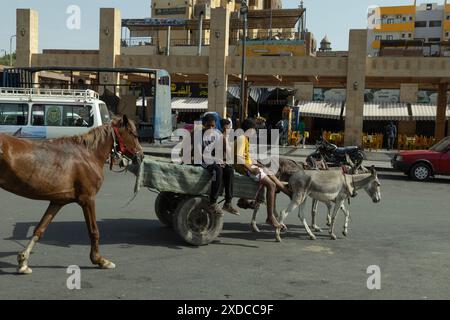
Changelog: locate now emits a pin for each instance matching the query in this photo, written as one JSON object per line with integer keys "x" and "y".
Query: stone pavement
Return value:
{"x": 378, "y": 158}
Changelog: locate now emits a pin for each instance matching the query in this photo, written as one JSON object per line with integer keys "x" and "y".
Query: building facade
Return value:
{"x": 218, "y": 66}
{"x": 427, "y": 23}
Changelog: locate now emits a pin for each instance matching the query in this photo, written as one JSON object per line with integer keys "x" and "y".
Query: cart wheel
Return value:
{"x": 194, "y": 224}
{"x": 165, "y": 206}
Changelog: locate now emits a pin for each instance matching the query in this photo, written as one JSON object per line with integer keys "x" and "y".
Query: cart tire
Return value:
{"x": 194, "y": 224}
{"x": 165, "y": 205}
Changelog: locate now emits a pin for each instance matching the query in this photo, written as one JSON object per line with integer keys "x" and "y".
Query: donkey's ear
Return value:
{"x": 125, "y": 120}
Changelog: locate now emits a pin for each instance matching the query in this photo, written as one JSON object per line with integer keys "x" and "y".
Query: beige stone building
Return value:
{"x": 218, "y": 64}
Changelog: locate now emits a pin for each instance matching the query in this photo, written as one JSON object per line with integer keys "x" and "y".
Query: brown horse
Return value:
{"x": 62, "y": 171}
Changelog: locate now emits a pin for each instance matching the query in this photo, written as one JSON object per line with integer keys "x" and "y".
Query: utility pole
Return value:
{"x": 10, "y": 50}
{"x": 243, "y": 11}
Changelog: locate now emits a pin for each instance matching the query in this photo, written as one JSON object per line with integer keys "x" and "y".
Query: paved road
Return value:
{"x": 406, "y": 235}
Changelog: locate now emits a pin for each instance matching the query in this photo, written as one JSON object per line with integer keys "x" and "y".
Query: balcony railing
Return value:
{"x": 138, "y": 42}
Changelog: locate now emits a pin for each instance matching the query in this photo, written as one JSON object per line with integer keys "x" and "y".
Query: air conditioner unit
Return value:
{"x": 202, "y": 9}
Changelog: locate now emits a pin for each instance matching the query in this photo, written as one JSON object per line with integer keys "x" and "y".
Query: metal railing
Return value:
{"x": 53, "y": 93}
{"x": 138, "y": 42}
{"x": 265, "y": 35}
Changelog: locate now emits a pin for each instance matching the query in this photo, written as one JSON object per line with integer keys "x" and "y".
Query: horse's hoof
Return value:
{"x": 277, "y": 235}
{"x": 317, "y": 229}
{"x": 344, "y": 233}
{"x": 283, "y": 227}
{"x": 107, "y": 265}
{"x": 313, "y": 237}
{"x": 24, "y": 270}
{"x": 333, "y": 237}
{"x": 255, "y": 228}
{"x": 328, "y": 224}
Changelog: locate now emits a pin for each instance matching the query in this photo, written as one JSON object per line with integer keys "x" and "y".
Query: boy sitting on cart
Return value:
{"x": 216, "y": 165}
{"x": 245, "y": 165}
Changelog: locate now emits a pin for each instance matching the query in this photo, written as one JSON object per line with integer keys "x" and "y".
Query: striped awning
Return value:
{"x": 385, "y": 111}
{"x": 423, "y": 112}
{"x": 327, "y": 110}
{"x": 189, "y": 104}
{"x": 426, "y": 112}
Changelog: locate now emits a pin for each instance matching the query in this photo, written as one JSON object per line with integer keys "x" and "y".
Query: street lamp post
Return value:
{"x": 243, "y": 11}
{"x": 10, "y": 50}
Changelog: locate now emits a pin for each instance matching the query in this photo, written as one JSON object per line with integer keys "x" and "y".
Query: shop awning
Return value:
{"x": 190, "y": 104}
{"x": 386, "y": 111}
{"x": 426, "y": 112}
{"x": 328, "y": 110}
{"x": 423, "y": 112}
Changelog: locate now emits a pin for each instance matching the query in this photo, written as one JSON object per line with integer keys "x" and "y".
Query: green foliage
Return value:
{"x": 4, "y": 59}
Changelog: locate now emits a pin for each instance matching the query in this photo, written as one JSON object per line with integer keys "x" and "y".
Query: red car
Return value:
{"x": 422, "y": 164}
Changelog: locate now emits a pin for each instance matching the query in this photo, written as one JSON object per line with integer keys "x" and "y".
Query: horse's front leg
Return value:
{"x": 296, "y": 200}
{"x": 314, "y": 226}
{"x": 337, "y": 206}
{"x": 254, "y": 226}
{"x": 91, "y": 222}
{"x": 329, "y": 205}
{"x": 258, "y": 200}
{"x": 302, "y": 218}
{"x": 347, "y": 215}
{"x": 23, "y": 257}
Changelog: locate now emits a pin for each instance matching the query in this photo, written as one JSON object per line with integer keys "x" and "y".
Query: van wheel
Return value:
{"x": 420, "y": 172}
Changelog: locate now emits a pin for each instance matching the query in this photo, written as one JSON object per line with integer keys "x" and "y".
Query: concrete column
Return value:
{"x": 408, "y": 94}
{"x": 439, "y": 131}
{"x": 356, "y": 82}
{"x": 109, "y": 46}
{"x": 304, "y": 91}
{"x": 27, "y": 32}
{"x": 218, "y": 52}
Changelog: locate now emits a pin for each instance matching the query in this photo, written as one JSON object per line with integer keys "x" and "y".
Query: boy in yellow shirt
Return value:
{"x": 259, "y": 173}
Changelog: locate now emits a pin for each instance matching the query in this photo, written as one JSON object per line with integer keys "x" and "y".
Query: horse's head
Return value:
{"x": 127, "y": 137}
{"x": 373, "y": 187}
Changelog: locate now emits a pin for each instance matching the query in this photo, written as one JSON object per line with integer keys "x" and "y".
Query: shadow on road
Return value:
{"x": 112, "y": 231}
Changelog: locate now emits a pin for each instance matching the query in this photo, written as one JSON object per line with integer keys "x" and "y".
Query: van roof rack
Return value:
{"x": 57, "y": 93}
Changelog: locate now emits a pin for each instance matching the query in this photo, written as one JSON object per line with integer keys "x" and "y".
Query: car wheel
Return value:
{"x": 420, "y": 172}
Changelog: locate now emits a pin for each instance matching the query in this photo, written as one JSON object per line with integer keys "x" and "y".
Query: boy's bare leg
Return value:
{"x": 271, "y": 188}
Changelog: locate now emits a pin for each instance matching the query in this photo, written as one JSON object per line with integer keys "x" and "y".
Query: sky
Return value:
{"x": 333, "y": 18}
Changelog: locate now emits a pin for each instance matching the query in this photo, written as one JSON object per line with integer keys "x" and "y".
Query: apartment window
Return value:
{"x": 403, "y": 35}
{"x": 421, "y": 24}
{"x": 390, "y": 21}
{"x": 404, "y": 19}
{"x": 390, "y": 37}
{"x": 410, "y": 18}
{"x": 377, "y": 37}
{"x": 429, "y": 6}
{"x": 446, "y": 34}
{"x": 409, "y": 35}
{"x": 436, "y": 23}
{"x": 448, "y": 17}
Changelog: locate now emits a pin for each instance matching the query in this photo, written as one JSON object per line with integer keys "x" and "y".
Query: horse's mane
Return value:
{"x": 91, "y": 140}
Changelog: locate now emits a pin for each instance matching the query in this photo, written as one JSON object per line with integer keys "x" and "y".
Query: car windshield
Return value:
{"x": 441, "y": 145}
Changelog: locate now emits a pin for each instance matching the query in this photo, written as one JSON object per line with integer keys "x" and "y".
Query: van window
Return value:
{"x": 56, "y": 115}
{"x": 13, "y": 114}
{"x": 104, "y": 113}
